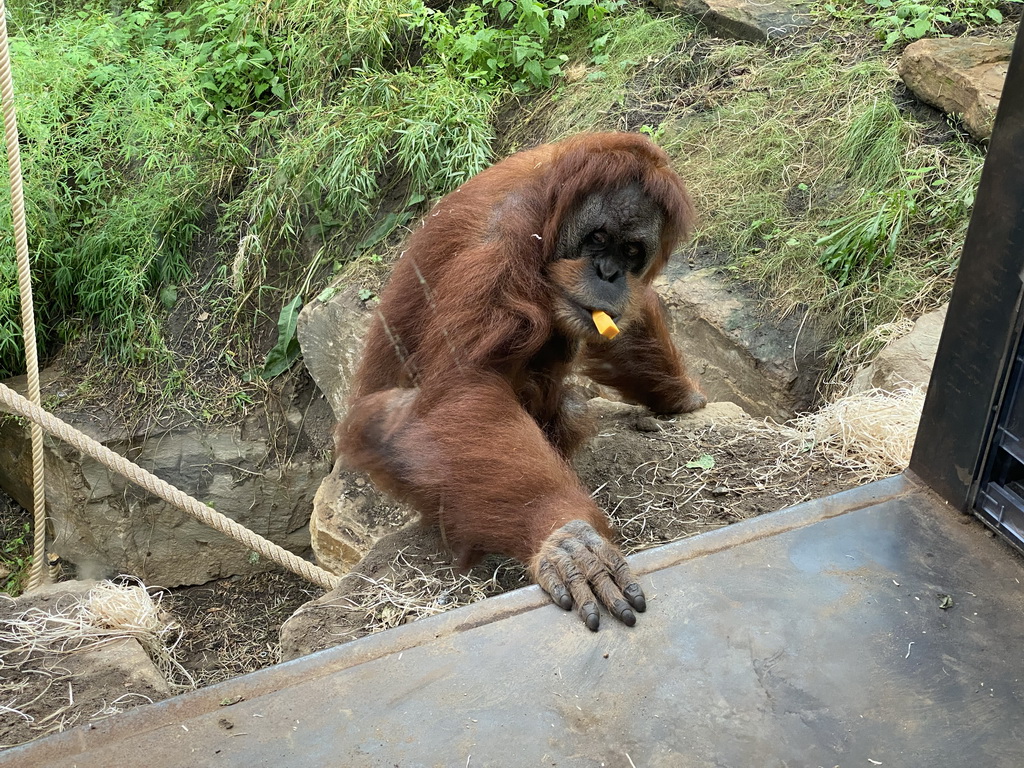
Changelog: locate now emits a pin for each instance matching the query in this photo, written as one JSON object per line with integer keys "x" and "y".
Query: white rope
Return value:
{"x": 166, "y": 491}
{"x": 37, "y": 572}
{"x": 30, "y": 408}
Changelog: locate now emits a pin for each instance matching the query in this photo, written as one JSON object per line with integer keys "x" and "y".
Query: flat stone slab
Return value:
{"x": 814, "y": 636}
{"x": 961, "y": 76}
{"x": 754, "y": 21}
{"x": 739, "y": 352}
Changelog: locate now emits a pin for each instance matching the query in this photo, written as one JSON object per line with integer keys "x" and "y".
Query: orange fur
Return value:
{"x": 460, "y": 405}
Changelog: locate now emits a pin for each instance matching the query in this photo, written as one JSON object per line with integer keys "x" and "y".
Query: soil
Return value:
{"x": 231, "y": 626}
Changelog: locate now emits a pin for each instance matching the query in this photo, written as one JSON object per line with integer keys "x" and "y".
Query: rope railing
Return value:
{"x": 145, "y": 479}
{"x": 37, "y": 571}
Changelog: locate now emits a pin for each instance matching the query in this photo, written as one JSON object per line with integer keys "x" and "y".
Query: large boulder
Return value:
{"x": 907, "y": 361}
{"x": 961, "y": 76}
{"x": 741, "y": 353}
{"x": 105, "y": 525}
{"x": 331, "y": 335}
{"x": 743, "y": 20}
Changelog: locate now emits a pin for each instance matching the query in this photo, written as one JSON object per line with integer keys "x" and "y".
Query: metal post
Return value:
{"x": 980, "y": 333}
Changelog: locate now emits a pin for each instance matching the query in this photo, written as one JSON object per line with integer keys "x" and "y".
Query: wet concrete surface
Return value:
{"x": 815, "y": 636}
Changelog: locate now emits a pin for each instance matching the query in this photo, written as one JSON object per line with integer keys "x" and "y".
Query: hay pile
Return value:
{"x": 870, "y": 433}
{"x": 108, "y": 612}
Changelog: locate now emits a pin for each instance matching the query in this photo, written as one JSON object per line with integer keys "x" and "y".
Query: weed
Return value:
{"x": 902, "y": 21}
{"x": 876, "y": 142}
{"x": 867, "y": 239}
{"x": 16, "y": 556}
{"x": 521, "y": 42}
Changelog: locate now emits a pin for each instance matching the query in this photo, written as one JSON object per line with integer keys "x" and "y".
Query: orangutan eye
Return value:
{"x": 636, "y": 255}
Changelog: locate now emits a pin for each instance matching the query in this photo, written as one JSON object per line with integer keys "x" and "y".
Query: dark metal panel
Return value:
{"x": 812, "y": 637}
{"x": 973, "y": 352}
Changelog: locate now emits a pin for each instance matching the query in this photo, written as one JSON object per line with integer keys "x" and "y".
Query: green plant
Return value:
{"x": 16, "y": 557}
{"x": 521, "y": 41}
{"x": 286, "y": 121}
{"x": 897, "y": 21}
{"x": 286, "y": 351}
{"x": 867, "y": 239}
{"x": 243, "y": 65}
{"x": 116, "y": 169}
{"x": 875, "y": 143}
{"x": 336, "y": 161}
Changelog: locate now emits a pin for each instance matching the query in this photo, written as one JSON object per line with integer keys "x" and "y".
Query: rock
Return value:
{"x": 110, "y": 669}
{"x": 618, "y": 416}
{"x": 331, "y": 335}
{"x": 740, "y": 353}
{"x": 105, "y": 525}
{"x": 742, "y": 20}
{"x": 81, "y": 684}
{"x": 349, "y": 516}
{"x": 907, "y": 361}
{"x": 960, "y": 76}
{"x": 399, "y": 558}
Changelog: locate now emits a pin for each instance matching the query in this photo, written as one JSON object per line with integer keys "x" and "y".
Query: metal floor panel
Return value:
{"x": 811, "y": 637}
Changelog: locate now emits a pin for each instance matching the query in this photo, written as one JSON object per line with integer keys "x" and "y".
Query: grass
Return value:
{"x": 116, "y": 170}
{"x": 823, "y": 187}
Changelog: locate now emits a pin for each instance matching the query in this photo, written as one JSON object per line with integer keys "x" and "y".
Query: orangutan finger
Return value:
{"x": 586, "y": 605}
{"x": 549, "y": 580}
{"x": 635, "y": 595}
{"x": 623, "y": 575}
{"x": 609, "y": 594}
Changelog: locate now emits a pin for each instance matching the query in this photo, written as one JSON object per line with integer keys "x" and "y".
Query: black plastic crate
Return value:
{"x": 1000, "y": 501}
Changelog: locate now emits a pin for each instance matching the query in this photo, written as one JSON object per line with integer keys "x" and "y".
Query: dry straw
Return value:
{"x": 870, "y": 433}
{"x": 109, "y": 612}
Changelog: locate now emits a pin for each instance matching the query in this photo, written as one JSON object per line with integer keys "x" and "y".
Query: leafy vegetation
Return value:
{"x": 294, "y": 121}
{"x": 15, "y": 551}
{"x": 523, "y": 44}
{"x": 902, "y": 21}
